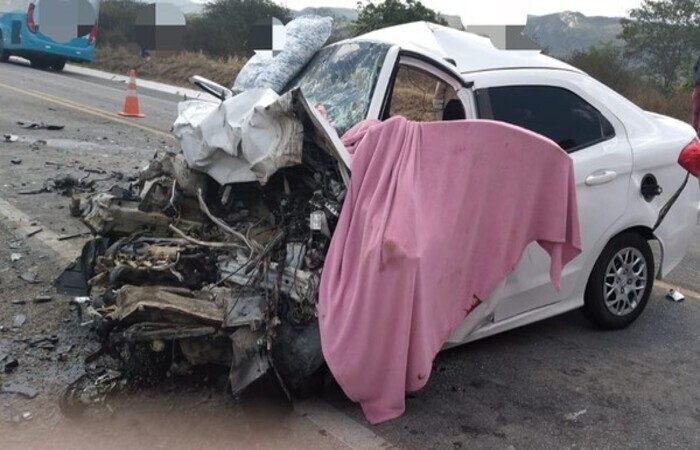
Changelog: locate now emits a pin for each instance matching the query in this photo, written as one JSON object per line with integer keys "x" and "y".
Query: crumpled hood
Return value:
{"x": 252, "y": 135}
{"x": 245, "y": 138}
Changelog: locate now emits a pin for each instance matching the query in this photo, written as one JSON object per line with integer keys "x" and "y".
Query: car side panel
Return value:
{"x": 656, "y": 153}
{"x": 600, "y": 206}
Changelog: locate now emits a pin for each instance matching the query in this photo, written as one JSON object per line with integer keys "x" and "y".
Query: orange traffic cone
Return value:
{"x": 131, "y": 103}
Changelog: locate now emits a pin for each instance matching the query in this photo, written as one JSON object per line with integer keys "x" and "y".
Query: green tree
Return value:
{"x": 372, "y": 16}
{"x": 664, "y": 35}
{"x": 225, "y": 25}
{"x": 117, "y": 20}
{"x": 607, "y": 64}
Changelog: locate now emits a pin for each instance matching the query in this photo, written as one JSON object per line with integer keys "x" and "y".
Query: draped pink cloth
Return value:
{"x": 436, "y": 216}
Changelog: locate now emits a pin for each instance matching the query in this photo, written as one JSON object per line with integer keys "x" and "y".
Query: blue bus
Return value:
{"x": 48, "y": 32}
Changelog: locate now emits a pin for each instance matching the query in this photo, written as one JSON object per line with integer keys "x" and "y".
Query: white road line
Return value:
{"x": 340, "y": 426}
{"x": 320, "y": 413}
{"x": 65, "y": 251}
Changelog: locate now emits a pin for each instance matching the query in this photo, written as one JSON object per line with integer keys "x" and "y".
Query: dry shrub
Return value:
{"x": 414, "y": 104}
{"x": 173, "y": 69}
{"x": 413, "y": 95}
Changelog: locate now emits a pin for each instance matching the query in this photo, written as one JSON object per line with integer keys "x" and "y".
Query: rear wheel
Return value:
{"x": 4, "y": 54}
{"x": 39, "y": 63}
{"x": 58, "y": 65}
{"x": 621, "y": 282}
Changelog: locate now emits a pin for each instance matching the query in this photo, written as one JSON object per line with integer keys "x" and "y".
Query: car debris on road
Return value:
{"x": 210, "y": 273}
{"x": 40, "y": 126}
{"x": 20, "y": 320}
{"x": 675, "y": 295}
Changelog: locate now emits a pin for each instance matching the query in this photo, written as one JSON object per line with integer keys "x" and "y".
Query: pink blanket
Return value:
{"x": 437, "y": 215}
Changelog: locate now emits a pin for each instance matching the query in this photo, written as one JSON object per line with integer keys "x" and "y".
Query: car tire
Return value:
{"x": 58, "y": 66}
{"x": 621, "y": 282}
{"x": 4, "y": 54}
{"x": 40, "y": 64}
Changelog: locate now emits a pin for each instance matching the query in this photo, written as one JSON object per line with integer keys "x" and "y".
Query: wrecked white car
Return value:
{"x": 216, "y": 256}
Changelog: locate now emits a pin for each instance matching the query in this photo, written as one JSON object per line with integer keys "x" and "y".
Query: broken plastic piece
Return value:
{"x": 675, "y": 295}
{"x": 573, "y": 417}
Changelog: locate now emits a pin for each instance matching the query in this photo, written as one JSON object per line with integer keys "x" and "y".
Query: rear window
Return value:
{"x": 554, "y": 112}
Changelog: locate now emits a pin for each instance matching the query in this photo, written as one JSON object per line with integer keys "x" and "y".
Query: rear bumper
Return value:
{"x": 36, "y": 45}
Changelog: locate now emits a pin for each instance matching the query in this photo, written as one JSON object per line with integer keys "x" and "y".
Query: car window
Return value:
{"x": 554, "y": 112}
{"x": 342, "y": 79}
{"x": 422, "y": 97}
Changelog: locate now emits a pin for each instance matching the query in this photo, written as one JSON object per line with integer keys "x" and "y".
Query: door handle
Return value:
{"x": 600, "y": 177}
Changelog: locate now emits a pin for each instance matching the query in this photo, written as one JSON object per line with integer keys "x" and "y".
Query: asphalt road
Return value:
{"x": 555, "y": 384}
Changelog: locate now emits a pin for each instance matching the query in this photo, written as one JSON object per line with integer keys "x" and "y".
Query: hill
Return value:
{"x": 563, "y": 33}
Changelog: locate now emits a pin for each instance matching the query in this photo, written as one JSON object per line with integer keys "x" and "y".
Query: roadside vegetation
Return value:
{"x": 653, "y": 69}
{"x": 609, "y": 65}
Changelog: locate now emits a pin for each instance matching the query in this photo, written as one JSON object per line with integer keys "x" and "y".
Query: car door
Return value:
{"x": 422, "y": 89}
{"x": 602, "y": 157}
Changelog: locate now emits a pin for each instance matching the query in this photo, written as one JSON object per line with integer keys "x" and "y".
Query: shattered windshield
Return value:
{"x": 342, "y": 79}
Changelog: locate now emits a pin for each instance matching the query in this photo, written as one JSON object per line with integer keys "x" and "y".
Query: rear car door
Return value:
{"x": 597, "y": 143}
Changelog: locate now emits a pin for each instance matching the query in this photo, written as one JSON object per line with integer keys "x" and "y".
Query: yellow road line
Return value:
{"x": 85, "y": 108}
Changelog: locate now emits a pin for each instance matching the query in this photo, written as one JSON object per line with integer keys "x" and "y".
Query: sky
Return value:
{"x": 499, "y": 12}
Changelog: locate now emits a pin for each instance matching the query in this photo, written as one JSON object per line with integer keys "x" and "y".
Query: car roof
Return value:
{"x": 471, "y": 52}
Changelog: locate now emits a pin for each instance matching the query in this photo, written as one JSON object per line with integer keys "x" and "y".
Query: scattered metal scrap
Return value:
{"x": 68, "y": 185}
{"x": 34, "y": 232}
{"x": 40, "y": 126}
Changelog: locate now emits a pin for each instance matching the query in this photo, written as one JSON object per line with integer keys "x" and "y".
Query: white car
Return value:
{"x": 625, "y": 159}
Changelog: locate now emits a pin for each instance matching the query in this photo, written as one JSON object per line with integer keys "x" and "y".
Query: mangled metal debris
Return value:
{"x": 259, "y": 136}
{"x": 40, "y": 126}
{"x": 201, "y": 271}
